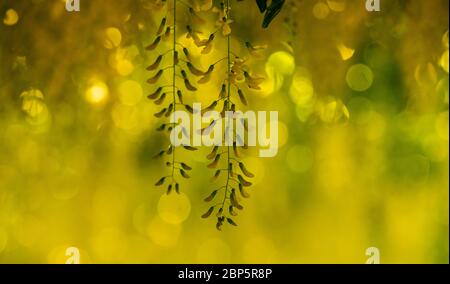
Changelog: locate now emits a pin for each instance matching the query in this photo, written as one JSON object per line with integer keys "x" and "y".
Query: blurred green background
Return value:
{"x": 364, "y": 136}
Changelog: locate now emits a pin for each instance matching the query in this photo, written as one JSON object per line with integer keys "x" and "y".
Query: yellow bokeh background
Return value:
{"x": 364, "y": 136}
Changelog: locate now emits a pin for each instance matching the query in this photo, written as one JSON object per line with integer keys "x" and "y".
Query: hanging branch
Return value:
{"x": 237, "y": 174}
{"x": 174, "y": 91}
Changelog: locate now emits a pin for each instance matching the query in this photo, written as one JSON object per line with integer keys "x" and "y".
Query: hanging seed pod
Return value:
{"x": 194, "y": 70}
{"x": 235, "y": 150}
{"x": 225, "y": 108}
{"x": 243, "y": 181}
{"x": 189, "y": 109}
{"x": 177, "y": 188}
{"x": 216, "y": 175}
{"x": 161, "y": 99}
{"x": 159, "y": 155}
{"x": 210, "y": 69}
{"x": 160, "y": 182}
{"x": 166, "y": 35}
{"x": 184, "y": 74}
{"x": 169, "y": 110}
{"x": 189, "y": 85}
{"x": 161, "y": 26}
{"x": 155, "y": 65}
{"x": 231, "y": 222}
{"x": 180, "y": 96}
{"x": 208, "y": 213}
{"x": 211, "y": 38}
{"x": 161, "y": 113}
{"x": 210, "y": 107}
{"x": 214, "y": 164}
{"x": 245, "y": 171}
{"x": 190, "y": 148}
{"x": 186, "y": 53}
{"x": 242, "y": 97}
{"x": 184, "y": 174}
{"x": 211, "y": 196}
{"x": 243, "y": 192}
{"x": 223, "y": 92}
{"x": 231, "y": 211}
{"x": 233, "y": 199}
{"x": 230, "y": 170}
{"x": 154, "y": 44}
{"x": 213, "y": 154}
{"x": 219, "y": 213}
{"x": 176, "y": 60}
{"x": 155, "y": 78}
{"x": 169, "y": 189}
{"x": 170, "y": 150}
{"x": 185, "y": 167}
{"x": 161, "y": 128}
{"x": 155, "y": 94}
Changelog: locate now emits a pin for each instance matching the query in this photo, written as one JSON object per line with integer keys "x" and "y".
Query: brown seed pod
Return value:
{"x": 245, "y": 171}
{"x": 160, "y": 154}
{"x": 208, "y": 213}
{"x": 214, "y": 163}
{"x": 216, "y": 175}
{"x": 161, "y": 99}
{"x": 243, "y": 181}
{"x": 166, "y": 35}
{"x": 180, "y": 96}
{"x": 189, "y": 108}
{"x": 211, "y": 196}
{"x": 169, "y": 189}
{"x": 213, "y": 154}
{"x": 186, "y": 53}
{"x": 195, "y": 71}
{"x": 235, "y": 150}
{"x": 189, "y": 86}
{"x": 231, "y": 222}
{"x": 161, "y": 113}
{"x": 160, "y": 182}
{"x": 154, "y": 44}
{"x": 186, "y": 167}
{"x": 223, "y": 92}
{"x": 161, "y": 26}
{"x": 242, "y": 97}
{"x": 155, "y": 78}
{"x": 156, "y": 64}
{"x": 184, "y": 174}
{"x": 243, "y": 192}
{"x": 190, "y": 148}
{"x": 155, "y": 94}
{"x": 210, "y": 107}
{"x": 231, "y": 211}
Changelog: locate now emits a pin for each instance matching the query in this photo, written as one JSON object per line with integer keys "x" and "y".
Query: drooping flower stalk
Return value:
{"x": 237, "y": 74}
